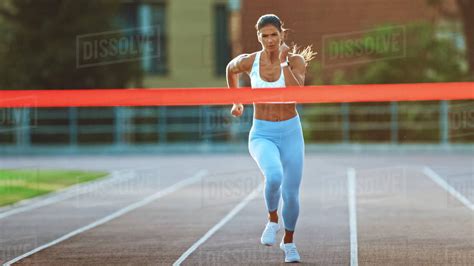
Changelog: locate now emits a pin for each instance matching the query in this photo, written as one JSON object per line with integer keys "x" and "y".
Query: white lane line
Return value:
{"x": 218, "y": 226}
{"x": 73, "y": 191}
{"x": 196, "y": 177}
{"x": 351, "y": 190}
{"x": 451, "y": 190}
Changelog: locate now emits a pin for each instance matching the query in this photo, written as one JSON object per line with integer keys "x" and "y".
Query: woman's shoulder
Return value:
{"x": 249, "y": 58}
{"x": 246, "y": 60}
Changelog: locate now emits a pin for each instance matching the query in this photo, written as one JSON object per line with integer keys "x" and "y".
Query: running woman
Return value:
{"x": 276, "y": 138}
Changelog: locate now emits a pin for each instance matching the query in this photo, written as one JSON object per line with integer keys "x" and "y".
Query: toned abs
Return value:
{"x": 274, "y": 112}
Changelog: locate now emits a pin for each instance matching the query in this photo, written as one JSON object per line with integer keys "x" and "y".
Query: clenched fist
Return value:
{"x": 237, "y": 110}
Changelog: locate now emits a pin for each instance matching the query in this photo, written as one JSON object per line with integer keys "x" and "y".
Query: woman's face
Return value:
{"x": 270, "y": 38}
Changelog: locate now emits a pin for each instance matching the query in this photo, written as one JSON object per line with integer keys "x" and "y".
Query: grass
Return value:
{"x": 20, "y": 184}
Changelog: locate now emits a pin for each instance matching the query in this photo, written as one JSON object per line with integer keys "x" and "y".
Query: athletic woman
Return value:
{"x": 276, "y": 138}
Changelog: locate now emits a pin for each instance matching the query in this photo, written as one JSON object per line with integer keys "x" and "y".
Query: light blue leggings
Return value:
{"x": 278, "y": 149}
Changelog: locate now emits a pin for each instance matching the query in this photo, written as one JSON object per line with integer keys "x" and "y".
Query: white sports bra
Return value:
{"x": 258, "y": 83}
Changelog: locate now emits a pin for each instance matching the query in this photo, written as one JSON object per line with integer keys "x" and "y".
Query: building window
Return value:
{"x": 148, "y": 18}
{"x": 221, "y": 37}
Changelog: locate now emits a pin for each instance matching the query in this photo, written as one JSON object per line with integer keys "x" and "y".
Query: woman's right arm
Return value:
{"x": 236, "y": 66}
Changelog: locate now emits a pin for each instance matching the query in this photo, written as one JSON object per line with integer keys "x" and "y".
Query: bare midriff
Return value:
{"x": 275, "y": 112}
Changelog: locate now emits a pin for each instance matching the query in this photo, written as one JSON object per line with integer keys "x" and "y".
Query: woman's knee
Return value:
{"x": 273, "y": 179}
{"x": 290, "y": 196}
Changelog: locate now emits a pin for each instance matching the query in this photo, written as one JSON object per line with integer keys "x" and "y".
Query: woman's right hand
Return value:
{"x": 237, "y": 110}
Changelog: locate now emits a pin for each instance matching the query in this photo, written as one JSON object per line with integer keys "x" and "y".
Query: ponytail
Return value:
{"x": 307, "y": 53}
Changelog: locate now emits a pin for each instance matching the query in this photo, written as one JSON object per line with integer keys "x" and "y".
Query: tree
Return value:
{"x": 38, "y": 45}
{"x": 466, "y": 8}
{"x": 466, "y": 12}
{"x": 427, "y": 59}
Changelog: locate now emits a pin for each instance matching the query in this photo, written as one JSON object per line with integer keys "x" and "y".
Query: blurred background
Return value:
{"x": 66, "y": 44}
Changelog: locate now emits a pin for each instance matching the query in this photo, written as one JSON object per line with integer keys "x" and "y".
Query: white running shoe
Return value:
{"x": 269, "y": 234}
{"x": 291, "y": 253}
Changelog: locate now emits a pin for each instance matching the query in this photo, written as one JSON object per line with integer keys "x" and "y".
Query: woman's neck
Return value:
{"x": 272, "y": 56}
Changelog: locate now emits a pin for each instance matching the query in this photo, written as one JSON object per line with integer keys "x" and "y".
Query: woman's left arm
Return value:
{"x": 296, "y": 70}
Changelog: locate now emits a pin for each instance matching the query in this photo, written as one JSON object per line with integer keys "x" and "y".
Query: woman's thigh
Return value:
{"x": 266, "y": 153}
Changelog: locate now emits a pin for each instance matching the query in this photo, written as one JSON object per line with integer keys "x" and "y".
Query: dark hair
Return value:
{"x": 271, "y": 19}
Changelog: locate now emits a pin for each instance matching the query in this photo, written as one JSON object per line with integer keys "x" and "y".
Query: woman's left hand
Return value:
{"x": 284, "y": 50}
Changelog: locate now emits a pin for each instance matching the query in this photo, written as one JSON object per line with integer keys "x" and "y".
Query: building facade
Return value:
{"x": 194, "y": 46}
{"x": 311, "y": 22}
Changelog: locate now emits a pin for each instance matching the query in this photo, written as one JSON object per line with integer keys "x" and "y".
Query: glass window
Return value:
{"x": 149, "y": 21}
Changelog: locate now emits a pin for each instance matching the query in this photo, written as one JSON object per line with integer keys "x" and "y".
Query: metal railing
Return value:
{"x": 437, "y": 122}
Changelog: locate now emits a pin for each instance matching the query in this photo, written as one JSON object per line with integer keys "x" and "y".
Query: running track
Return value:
{"x": 373, "y": 208}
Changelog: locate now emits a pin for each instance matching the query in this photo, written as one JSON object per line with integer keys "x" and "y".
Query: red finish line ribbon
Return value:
{"x": 227, "y": 96}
